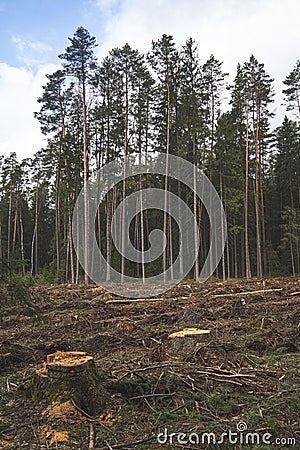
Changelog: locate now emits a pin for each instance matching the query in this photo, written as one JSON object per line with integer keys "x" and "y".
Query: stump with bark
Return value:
{"x": 188, "y": 340}
{"x": 70, "y": 376}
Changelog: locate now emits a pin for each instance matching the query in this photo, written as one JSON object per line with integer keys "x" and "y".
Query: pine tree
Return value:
{"x": 163, "y": 59}
{"x": 79, "y": 62}
{"x": 213, "y": 85}
{"x": 292, "y": 92}
{"x": 287, "y": 163}
{"x": 291, "y": 234}
{"x": 126, "y": 62}
{"x": 240, "y": 117}
{"x": 260, "y": 93}
{"x": 191, "y": 122}
{"x": 55, "y": 107}
{"x": 252, "y": 93}
{"x": 230, "y": 163}
{"x": 108, "y": 116}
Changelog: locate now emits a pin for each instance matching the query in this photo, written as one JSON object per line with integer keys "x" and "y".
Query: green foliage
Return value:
{"x": 79, "y": 59}
{"x": 15, "y": 292}
{"x": 166, "y": 101}
{"x": 292, "y": 91}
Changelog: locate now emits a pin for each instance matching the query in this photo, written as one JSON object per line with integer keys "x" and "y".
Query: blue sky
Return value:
{"x": 34, "y": 32}
{"x": 28, "y": 23}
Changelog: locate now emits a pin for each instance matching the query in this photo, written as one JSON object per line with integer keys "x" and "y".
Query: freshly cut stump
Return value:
{"x": 70, "y": 375}
{"x": 188, "y": 340}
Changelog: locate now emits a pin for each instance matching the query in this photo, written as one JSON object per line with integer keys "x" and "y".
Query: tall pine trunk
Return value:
{"x": 1, "y": 248}
{"x": 256, "y": 195}
{"x": 246, "y": 212}
{"x": 9, "y": 222}
{"x": 85, "y": 175}
{"x": 124, "y": 179}
{"x": 36, "y": 229}
{"x": 108, "y": 234}
{"x": 165, "y": 226}
{"x": 222, "y": 229}
{"x": 196, "y": 247}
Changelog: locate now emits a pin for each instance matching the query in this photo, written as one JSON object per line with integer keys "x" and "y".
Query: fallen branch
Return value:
{"x": 84, "y": 413}
{"x": 144, "y": 300}
{"x": 134, "y": 300}
{"x": 144, "y": 369}
{"x": 261, "y": 291}
{"x": 152, "y": 395}
{"x": 230, "y": 375}
{"x": 92, "y": 437}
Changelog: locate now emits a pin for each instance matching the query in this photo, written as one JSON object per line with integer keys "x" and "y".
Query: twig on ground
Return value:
{"x": 135, "y": 300}
{"x": 152, "y": 395}
{"x": 144, "y": 369}
{"x": 109, "y": 446}
{"x": 92, "y": 436}
{"x": 260, "y": 291}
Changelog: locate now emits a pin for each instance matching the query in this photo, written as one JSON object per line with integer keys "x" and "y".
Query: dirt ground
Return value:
{"x": 244, "y": 378}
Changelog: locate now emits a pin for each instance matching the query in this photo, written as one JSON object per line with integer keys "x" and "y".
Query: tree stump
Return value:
{"x": 70, "y": 375}
{"x": 188, "y": 340}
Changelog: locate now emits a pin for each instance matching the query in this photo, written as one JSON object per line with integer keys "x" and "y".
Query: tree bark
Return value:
{"x": 124, "y": 178}
{"x": 165, "y": 225}
{"x": 85, "y": 174}
{"x": 9, "y": 223}
{"x": 70, "y": 376}
{"x": 246, "y": 214}
{"x": 257, "y": 209}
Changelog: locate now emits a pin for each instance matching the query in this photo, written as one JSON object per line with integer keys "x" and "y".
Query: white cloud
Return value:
{"x": 27, "y": 44}
{"x": 232, "y": 30}
{"x": 232, "y": 27}
{"x": 107, "y": 4}
{"x": 19, "y": 90}
{"x": 30, "y": 53}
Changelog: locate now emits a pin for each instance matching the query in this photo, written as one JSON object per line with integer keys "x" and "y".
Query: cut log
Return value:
{"x": 188, "y": 340}
{"x": 70, "y": 376}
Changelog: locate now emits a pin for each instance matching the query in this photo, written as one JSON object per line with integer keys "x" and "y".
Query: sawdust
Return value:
{"x": 57, "y": 410}
{"x": 58, "y": 436}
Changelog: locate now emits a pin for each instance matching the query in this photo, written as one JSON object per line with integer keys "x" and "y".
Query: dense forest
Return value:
{"x": 166, "y": 101}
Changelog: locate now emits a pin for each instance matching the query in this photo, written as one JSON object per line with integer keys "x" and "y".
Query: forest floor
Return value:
{"x": 245, "y": 375}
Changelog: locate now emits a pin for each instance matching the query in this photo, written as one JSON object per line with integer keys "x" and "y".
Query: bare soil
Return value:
{"x": 246, "y": 372}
